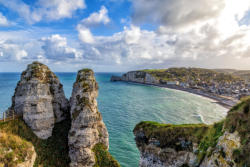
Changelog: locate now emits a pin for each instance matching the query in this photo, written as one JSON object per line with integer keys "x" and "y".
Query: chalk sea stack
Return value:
{"x": 87, "y": 128}
{"x": 39, "y": 98}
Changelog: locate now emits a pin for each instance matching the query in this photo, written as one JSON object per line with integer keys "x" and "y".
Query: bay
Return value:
{"x": 123, "y": 105}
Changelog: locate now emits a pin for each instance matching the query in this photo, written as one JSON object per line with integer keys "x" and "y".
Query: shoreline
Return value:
{"x": 224, "y": 102}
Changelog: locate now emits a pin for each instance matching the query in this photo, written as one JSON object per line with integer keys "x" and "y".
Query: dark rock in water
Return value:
{"x": 115, "y": 78}
{"x": 136, "y": 76}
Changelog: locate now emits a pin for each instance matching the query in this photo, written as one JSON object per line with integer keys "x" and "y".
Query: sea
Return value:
{"x": 123, "y": 105}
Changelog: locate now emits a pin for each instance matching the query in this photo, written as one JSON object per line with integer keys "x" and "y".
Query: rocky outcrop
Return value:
{"x": 222, "y": 155}
{"x": 40, "y": 99}
{"x": 87, "y": 127}
{"x": 168, "y": 145}
{"x": 115, "y": 78}
{"x": 224, "y": 144}
{"x": 136, "y": 76}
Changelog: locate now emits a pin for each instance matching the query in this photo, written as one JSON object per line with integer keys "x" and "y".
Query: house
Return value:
{"x": 184, "y": 84}
{"x": 173, "y": 83}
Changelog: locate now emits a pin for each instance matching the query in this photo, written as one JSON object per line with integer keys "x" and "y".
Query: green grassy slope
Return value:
{"x": 194, "y": 74}
{"x": 53, "y": 152}
{"x": 238, "y": 119}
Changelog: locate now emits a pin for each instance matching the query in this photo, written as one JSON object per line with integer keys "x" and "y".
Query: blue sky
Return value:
{"x": 123, "y": 35}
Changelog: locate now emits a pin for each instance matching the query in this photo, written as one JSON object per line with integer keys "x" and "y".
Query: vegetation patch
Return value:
{"x": 238, "y": 119}
{"x": 210, "y": 139}
{"x": 194, "y": 74}
{"x": 75, "y": 114}
{"x": 13, "y": 150}
{"x": 80, "y": 77}
{"x": 169, "y": 135}
{"x": 103, "y": 158}
{"x": 52, "y": 152}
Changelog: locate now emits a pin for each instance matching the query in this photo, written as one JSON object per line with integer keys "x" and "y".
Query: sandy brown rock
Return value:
{"x": 15, "y": 151}
{"x": 87, "y": 127}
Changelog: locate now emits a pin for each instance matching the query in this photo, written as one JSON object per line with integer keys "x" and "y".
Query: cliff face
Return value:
{"x": 226, "y": 143}
{"x": 87, "y": 128}
{"x": 136, "y": 76}
{"x": 40, "y": 99}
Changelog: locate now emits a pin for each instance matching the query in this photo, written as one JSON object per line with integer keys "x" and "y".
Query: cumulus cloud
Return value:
{"x": 11, "y": 51}
{"x": 189, "y": 34}
{"x": 44, "y": 9}
{"x": 208, "y": 33}
{"x": 56, "y": 48}
{"x": 201, "y": 29}
{"x": 175, "y": 13}
{"x": 97, "y": 18}
{"x": 132, "y": 35}
{"x": 85, "y": 34}
{"x": 3, "y": 20}
{"x": 94, "y": 19}
{"x": 132, "y": 46}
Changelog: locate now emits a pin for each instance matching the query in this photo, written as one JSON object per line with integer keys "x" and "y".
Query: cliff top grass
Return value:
{"x": 194, "y": 74}
{"x": 103, "y": 158}
{"x": 52, "y": 152}
{"x": 85, "y": 70}
{"x": 39, "y": 71}
{"x": 14, "y": 150}
{"x": 169, "y": 135}
{"x": 83, "y": 74}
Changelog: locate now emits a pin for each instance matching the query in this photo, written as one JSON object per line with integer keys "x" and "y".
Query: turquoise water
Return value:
{"x": 123, "y": 105}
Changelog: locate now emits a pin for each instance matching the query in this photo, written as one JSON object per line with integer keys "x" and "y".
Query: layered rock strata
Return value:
{"x": 40, "y": 99}
{"x": 87, "y": 127}
{"x": 136, "y": 76}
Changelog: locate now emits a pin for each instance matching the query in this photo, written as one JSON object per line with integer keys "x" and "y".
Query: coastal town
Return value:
{"x": 226, "y": 88}
{"x": 235, "y": 90}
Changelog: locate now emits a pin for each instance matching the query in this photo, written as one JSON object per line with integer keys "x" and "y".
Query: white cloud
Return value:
{"x": 97, "y": 18}
{"x": 45, "y": 9}
{"x": 56, "y": 48}
{"x": 3, "y": 20}
{"x": 132, "y": 35}
{"x": 189, "y": 33}
{"x": 85, "y": 34}
{"x": 132, "y": 46}
{"x": 176, "y": 13}
{"x": 94, "y": 19}
{"x": 21, "y": 54}
{"x": 11, "y": 51}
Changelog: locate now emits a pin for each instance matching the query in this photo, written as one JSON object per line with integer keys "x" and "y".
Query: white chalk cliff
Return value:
{"x": 87, "y": 127}
{"x": 39, "y": 98}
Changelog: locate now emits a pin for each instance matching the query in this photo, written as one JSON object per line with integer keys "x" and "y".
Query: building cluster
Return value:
{"x": 235, "y": 90}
